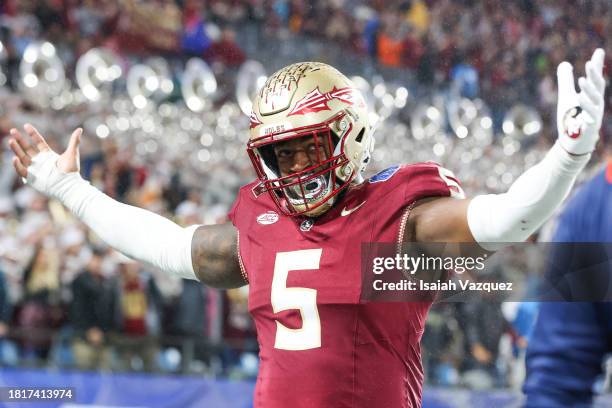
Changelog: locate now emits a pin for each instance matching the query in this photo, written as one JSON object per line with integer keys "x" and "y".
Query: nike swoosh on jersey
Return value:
{"x": 346, "y": 212}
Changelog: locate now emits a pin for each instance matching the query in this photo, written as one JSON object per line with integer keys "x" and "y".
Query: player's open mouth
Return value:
{"x": 308, "y": 191}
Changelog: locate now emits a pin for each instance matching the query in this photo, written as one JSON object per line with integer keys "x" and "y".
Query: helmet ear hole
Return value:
{"x": 359, "y": 137}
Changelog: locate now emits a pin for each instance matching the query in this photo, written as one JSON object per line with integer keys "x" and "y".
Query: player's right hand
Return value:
{"x": 579, "y": 115}
{"x": 36, "y": 163}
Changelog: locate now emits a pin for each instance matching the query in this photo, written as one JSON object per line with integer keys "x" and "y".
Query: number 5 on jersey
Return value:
{"x": 303, "y": 299}
{"x": 451, "y": 181}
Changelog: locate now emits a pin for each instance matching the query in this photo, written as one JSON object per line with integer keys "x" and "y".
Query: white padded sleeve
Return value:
{"x": 139, "y": 234}
{"x": 496, "y": 220}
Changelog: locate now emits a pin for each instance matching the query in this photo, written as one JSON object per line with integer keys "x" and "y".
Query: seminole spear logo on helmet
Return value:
{"x": 315, "y": 101}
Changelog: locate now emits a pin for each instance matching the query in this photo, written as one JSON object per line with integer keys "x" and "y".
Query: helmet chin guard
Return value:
{"x": 314, "y": 104}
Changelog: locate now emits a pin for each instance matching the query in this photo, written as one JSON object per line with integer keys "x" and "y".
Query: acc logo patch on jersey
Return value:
{"x": 384, "y": 175}
{"x": 267, "y": 218}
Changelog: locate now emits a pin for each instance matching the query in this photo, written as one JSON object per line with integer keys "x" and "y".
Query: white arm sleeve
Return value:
{"x": 496, "y": 220}
{"x": 139, "y": 234}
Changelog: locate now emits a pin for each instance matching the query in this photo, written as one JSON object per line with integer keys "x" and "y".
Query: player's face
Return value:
{"x": 296, "y": 155}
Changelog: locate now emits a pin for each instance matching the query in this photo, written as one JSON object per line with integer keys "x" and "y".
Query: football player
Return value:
{"x": 295, "y": 232}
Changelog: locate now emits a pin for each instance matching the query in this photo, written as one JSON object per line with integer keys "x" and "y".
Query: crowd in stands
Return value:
{"x": 66, "y": 299}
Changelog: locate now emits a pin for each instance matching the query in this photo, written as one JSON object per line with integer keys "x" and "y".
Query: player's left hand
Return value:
{"x": 579, "y": 115}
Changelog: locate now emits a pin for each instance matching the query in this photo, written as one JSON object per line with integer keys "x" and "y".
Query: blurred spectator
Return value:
{"x": 190, "y": 318}
{"x": 88, "y": 17}
{"x": 190, "y": 211}
{"x": 138, "y": 20}
{"x": 226, "y": 51}
{"x": 370, "y": 31}
{"x": 238, "y": 328}
{"x": 113, "y": 170}
{"x": 443, "y": 343}
{"x": 7, "y": 208}
{"x": 339, "y": 26}
{"x": 195, "y": 40}
{"x": 76, "y": 256}
{"x": 522, "y": 317}
{"x": 139, "y": 317}
{"x": 8, "y": 350}
{"x": 7, "y": 175}
{"x": 39, "y": 312}
{"x": 193, "y": 314}
{"x": 389, "y": 45}
{"x": 464, "y": 79}
{"x": 418, "y": 15}
{"x": 413, "y": 50}
{"x": 483, "y": 324}
{"x": 92, "y": 315}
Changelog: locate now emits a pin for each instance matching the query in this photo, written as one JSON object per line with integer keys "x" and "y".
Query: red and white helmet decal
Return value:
{"x": 254, "y": 120}
{"x": 315, "y": 101}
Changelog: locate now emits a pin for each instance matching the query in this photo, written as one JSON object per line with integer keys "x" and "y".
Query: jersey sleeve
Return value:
{"x": 431, "y": 180}
{"x": 413, "y": 182}
{"x": 237, "y": 213}
{"x": 232, "y": 214}
{"x": 238, "y": 216}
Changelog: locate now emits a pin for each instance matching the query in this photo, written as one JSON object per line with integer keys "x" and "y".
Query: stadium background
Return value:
{"x": 470, "y": 84}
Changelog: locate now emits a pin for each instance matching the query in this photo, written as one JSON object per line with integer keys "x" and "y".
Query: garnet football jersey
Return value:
{"x": 319, "y": 345}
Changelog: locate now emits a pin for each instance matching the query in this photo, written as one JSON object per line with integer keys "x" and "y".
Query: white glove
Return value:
{"x": 579, "y": 115}
{"x": 496, "y": 220}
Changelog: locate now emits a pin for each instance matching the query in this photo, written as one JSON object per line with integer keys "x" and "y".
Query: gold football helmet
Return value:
{"x": 313, "y": 106}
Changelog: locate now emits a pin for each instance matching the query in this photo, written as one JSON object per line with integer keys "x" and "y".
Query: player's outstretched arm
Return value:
{"x": 495, "y": 219}
{"x": 140, "y": 234}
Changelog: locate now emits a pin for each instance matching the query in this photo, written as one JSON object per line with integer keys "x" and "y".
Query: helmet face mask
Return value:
{"x": 299, "y": 188}
{"x": 309, "y": 137}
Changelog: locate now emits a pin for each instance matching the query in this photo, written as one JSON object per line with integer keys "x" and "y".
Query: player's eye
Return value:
{"x": 284, "y": 154}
